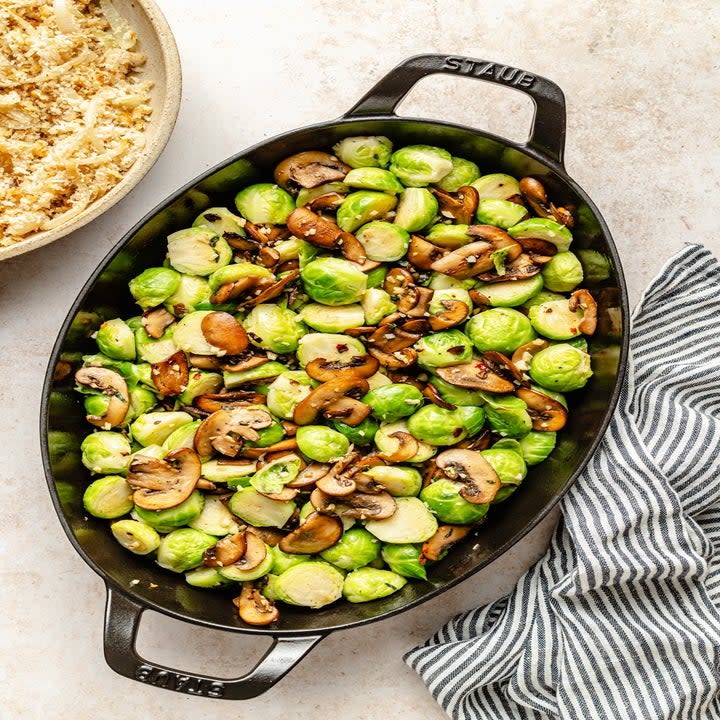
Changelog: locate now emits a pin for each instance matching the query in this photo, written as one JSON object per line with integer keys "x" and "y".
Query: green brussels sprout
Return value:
{"x": 183, "y": 549}
{"x": 383, "y": 241}
{"x": 563, "y": 273}
{"x": 496, "y": 185}
{"x": 332, "y": 347}
{"x": 106, "y": 453}
{"x": 444, "y": 499}
{"x": 398, "y": 480}
{"x": 596, "y": 266}
{"x": 200, "y": 382}
{"x": 543, "y": 229}
{"x": 96, "y": 405}
{"x": 270, "y": 435}
{"x": 153, "y": 286}
{"x": 153, "y": 350}
{"x": 256, "y": 509}
{"x": 508, "y": 444}
{"x": 219, "y": 219}
{"x": 273, "y": 477}
{"x": 183, "y": 437}
{"x": 464, "y": 172}
{"x": 416, "y": 209}
{"x": 378, "y": 380}
{"x": 509, "y": 465}
{"x": 555, "y": 319}
{"x": 542, "y": 297}
{"x": 290, "y": 249}
{"x": 108, "y": 497}
{"x": 332, "y": 319}
{"x": 307, "y": 195}
{"x": 266, "y": 371}
{"x": 376, "y": 276}
{"x": 333, "y": 281}
{"x": 376, "y": 304}
{"x": 502, "y": 213}
{"x": 197, "y": 251}
{"x": 321, "y": 443}
{"x": 578, "y": 342}
{"x": 191, "y": 292}
{"x": 367, "y": 584}
{"x": 83, "y": 325}
{"x": 420, "y": 165}
{"x": 438, "y": 281}
{"x": 63, "y": 448}
{"x": 442, "y": 349}
{"x": 206, "y": 577}
{"x": 364, "y": 151}
{"x": 472, "y": 418}
{"x": 536, "y": 446}
{"x": 187, "y": 335}
{"x": 507, "y": 415}
{"x": 501, "y": 329}
{"x": 355, "y": 549}
{"x": 151, "y": 451}
{"x": 561, "y": 367}
{"x": 372, "y": 178}
{"x": 274, "y": 328}
{"x": 387, "y": 443}
{"x": 153, "y": 428}
{"x": 264, "y": 203}
{"x": 135, "y": 536}
{"x": 393, "y": 401}
{"x": 439, "y": 297}
{"x": 223, "y": 471}
{"x": 512, "y": 292}
{"x": 282, "y": 561}
{"x": 362, "y": 434}
{"x": 436, "y": 426}
{"x": 448, "y": 236}
{"x": 286, "y": 391}
{"x": 173, "y": 517}
{"x": 363, "y": 206}
{"x": 116, "y": 340}
{"x": 404, "y": 560}
{"x": 215, "y": 518}
{"x": 312, "y": 584}
{"x": 238, "y": 573}
{"x": 412, "y": 522}
{"x": 236, "y": 271}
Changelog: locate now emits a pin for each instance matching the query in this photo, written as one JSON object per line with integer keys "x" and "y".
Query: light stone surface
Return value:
{"x": 641, "y": 82}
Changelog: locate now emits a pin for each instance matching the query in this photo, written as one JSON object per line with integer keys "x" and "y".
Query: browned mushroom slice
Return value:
{"x": 321, "y": 501}
{"x": 267, "y": 257}
{"x": 366, "y": 484}
{"x": 479, "y": 300}
{"x": 583, "y": 299}
{"x": 290, "y": 428}
{"x": 203, "y": 362}
{"x": 241, "y": 243}
{"x": 444, "y": 538}
{"x": 254, "y": 608}
{"x": 478, "y": 257}
{"x": 469, "y": 467}
{"x": 414, "y": 301}
{"x": 454, "y": 312}
{"x": 269, "y": 535}
{"x": 416, "y": 325}
{"x": 285, "y": 495}
{"x": 271, "y": 291}
{"x": 222, "y": 330}
{"x": 287, "y": 266}
{"x": 475, "y": 374}
{"x": 359, "y": 366}
{"x": 431, "y": 393}
{"x": 281, "y": 446}
{"x": 431, "y": 472}
{"x": 225, "y": 430}
{"x": 309, "y": 475}
{"x": 390, "y": 339}
{"x": 422, "y": 254}
{"x": 156, "y": 321}
{"x": 400, "y": 375}
{"x": 352, "y": 249}
{"x": 255, "y": 552}
{"x": 377, "y": 506}
{"x": 536, "y": 246}
{"x": 314, "y": 228}
{"x": 397, "y": 280}
{"x": 319, "y": 532}
{"x": 461, "y": 206}
{"x": 161, "y": 484}
{"x": 171, "y": 376}
{"x": 407, "y": 448}
{"x": 111, "y": 384}
{"x": 328, "y": 201}
{"x": 479, "y": 442}
{"x": 503, "y": 366}
{"x": 61, "y": 370}
{"x": 227, "y": 551}
{"x": 523, "y": 355}
{"x": 349, "y": 410}
{"x": 264, "y": 234}
{"x": 232, "y": 290}
{"x": 243, "y": 362}
{"x": 399, "y": 359}
{"x": 212, "y": 402}
{"x": 547, "y": 414}
{"x": 336, "y": 484}
{"x": 318, "y": 399}
{"x": 521, "y": 268}
{"x": 534, "y": 192}
{"x": 309, "y": 169}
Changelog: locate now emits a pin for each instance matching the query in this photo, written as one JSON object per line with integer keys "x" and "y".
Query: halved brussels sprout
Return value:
{"x": 509, "y": 465}
{"x": 286, "y": 391}
{"x": 596, "y": 266}
{"x": 563, "y": 273}
{"x": 333, "y": 281}
{"x": 173, "y": 517}
{"x": 398, "y": 480}
{"x": 376, "y": 304}
{"x": 183, "y": 437}
{"x": 376, "y": 276}
{"x": 502, "y": 213}
{"x": 420, "y": 165}
{"x": 383, "y": 241}
{"x": 363, "y": 206}
{"x": 373, "y": 178}
{"x": 183, "y": 549}
{"x": 197, "y": 251}
{"x": 153, "y": 286}
{"x": 443, "y": 349}
{"x": 364, "y": 151}
{"x": 256, "y": 509}
{"x": 200, "y": 382}
{"x": 219, "y": 219}
{"x": 561, "y": 367}
{"x": 116, "y": 340}
{"x": 282, "y": 561}
{"x": 362, "y": 434}
{"x": 542, "y": 297}
{"x": 266, "y": 371}
{"x": 411, "y": 522}
{"x": 206, "y": 577}
{"x": 219, "y": 471}
{"x": 137, "y": 537}
{"x": 500, "y": 329}
{"x": 404, "y": 560}
{"x": 332, "y": 319}
{"x": 238, "y": 573}
{"x": 464, "y": 172}
{"x": 273, "y": 477}
{"x": 437, "y": 426}
{"x": 308, "y": 195}
{"x": 355, "y": 549}
{"x": 321, "y": 443}
{"x": 365, "y": 584}
{"x": 153, "y": 428}
{"x": 507, "y": 415}
{"x": 512, "y": 292}
{"x": 264, "y": 203}
{"x": 444, "y": 499}
{"x": 543, "y": 229}
{"x": 106, "y": 453}
{"x": 439, "y": 297}
{"x": 536, "y": 446}
{"x": 387, "y": 443}
{"x": 215, "y": 518}
{"x": 108, "y": 497}
{"x": 154, "y": 350}
{"x": 393, "y": 401}
{"x": 416, "y": 209}
{"x": 191, "y": 291}
{"x": 237, "y": 271}
{"x": 312, "y": 584}
{"x": 555, "y": 320}
{"x": 340, "y": 348}
{"x": 274, "y": 328}
{"x": 448, "y": 236}
{"x": 496, "y": 185}
{"x": 456, "y": 395}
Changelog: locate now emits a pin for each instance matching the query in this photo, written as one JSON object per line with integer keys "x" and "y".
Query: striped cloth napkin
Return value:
{"x": 621, "y": 618}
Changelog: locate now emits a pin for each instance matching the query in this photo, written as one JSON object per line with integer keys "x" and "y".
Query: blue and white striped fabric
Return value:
{"x": 621, "y": 617}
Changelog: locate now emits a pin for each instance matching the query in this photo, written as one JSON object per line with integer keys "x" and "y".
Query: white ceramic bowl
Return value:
{"x": 156, "y": 40}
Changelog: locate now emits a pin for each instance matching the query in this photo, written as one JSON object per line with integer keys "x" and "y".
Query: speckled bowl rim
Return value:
{"x": 161, "y": 126}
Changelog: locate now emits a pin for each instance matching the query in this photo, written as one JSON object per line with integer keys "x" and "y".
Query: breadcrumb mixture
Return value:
{"x": 72, "y": 109}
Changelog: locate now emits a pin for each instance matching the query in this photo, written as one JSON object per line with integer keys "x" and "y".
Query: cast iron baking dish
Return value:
{"x": 135, "y": 584}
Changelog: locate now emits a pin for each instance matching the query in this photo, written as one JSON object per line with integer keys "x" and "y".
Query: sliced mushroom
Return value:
{"x": 171, "y": 376}
{"x": 431, "y": 393}
{"x": 270, "y": 291}
{"x": 469, "y": 467}
{"x": 461, "y": 206}
{"x": 454, "y": 312}
{"x": 503, "y": 366}
{"x": 309, "y": 475}
{"x": 319, "y": 532}
{"x": 358, "y": 366}
{"x": 290, "y": 428}
{"x": 366, "y": 484}
{"x": 227, "y": 551}
{"x": 583, "y": 299}
{"x": 534, "y": 192}
{"x": 363, "y": 506}
{"x": 269, "y": 535}
{"x": 422, "y": 254}
{"x": 444, "y": 538}
{"x": 156, "y": 321}
{"x": 203, "y": 484}
{"x": 161, "y": 484}
{"x": 390, "y": 339}
{"x": 479, "y": 442}
{"x": 247, "y": 361}
{"x": 523, "y": 355}
{"x": 212, "y": 402}
{"x": 232, "y": 290}
{"x": 416, "y": 325}
{"x": 336, "y": 484}
{"x": 109, "y": 383}
{"x": 547, "y": 414}
{"x": 475, "y": 374}
{"x": 285, "y": 495}
{"x": 398, "y": 359}
{"x": 477, "y": 257}
{"x": 329, "y": 201}
{"x": 535, "y": 247}
{"x": 266, "y": 234}
{"x": 397, "y": 280}
{"x": 423, "y": 296}
{"x": 479, "y": 300}
{"x": 203, "y": 362}
{"x": 255, "y": 552}
{"x": 308, "y": 170}
{"x": 267, "y": 257}
{"x": 61, "y": 370}
{"x": 281, "y": 446}
{"x": 521, "y": 268}
{"x": 407, "y": 448}
{"x": 352, "y": 249}
{"x": 349, "y": 410}
{"x": 225, "y": 430}
{"x": 254, "y": 608}
{"x": 318, "y": 399}
{"x": 314, "y": 228}
{"x": 223, "y": 331}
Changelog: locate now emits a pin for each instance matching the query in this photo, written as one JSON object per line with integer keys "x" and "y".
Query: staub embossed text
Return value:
{"x": 182, "y": 683}
{"x": 478, "y": 68}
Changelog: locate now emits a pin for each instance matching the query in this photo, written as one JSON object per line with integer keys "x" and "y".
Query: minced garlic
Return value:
{"x": 72, "y": 110}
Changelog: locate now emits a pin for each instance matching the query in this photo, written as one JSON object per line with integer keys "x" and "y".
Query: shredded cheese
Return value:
{"x": 73, "y": 110}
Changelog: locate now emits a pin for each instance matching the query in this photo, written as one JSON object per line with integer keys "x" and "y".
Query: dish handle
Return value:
{"x": 547, "y": 129}
{"x": 122, "y": 620}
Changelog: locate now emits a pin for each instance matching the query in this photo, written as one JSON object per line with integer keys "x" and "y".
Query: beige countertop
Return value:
{"x": 643, "y": 140}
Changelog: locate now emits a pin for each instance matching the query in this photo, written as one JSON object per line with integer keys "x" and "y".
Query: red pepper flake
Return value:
{"x": 341, "y": 347}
